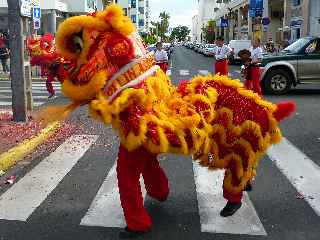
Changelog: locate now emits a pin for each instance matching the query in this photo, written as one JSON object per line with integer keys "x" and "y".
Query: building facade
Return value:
{"x": 138, "y": 11}
{"x": 279, "y": 19}
{"x": 53, "y": 12}
{"x": 195, "y": 29}
{"x": 206, "y": 12}
{"x": 302, "y": 18}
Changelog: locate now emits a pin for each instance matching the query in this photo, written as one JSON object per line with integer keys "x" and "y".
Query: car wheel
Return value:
{"x": 277, "y": 82}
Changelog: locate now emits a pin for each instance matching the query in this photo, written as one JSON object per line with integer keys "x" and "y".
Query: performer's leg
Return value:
{"x": 225, "y": 68}
{"x": 155, "y": 179}
{"x": 234, "y": 199}
{"x": 217, "y": 67}
{"x": 256, "y": 80}
{"x": 49, "y": 85}
{"x": 129, "y": 167}
{"x": 248, "y": 84}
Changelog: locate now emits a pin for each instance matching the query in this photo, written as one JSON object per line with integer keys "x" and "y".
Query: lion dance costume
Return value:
{"x": 43, "y": 53}
{"x": 214, "y": 119}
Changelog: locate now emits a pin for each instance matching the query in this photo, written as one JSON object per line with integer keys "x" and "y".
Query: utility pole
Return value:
{"x": 20, "y": 72}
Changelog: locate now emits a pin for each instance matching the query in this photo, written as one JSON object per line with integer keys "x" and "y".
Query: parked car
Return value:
{"x": 201, "y": 48}
{"x": 236, "y": 46}
{"x": 297, "y": 64}
{"x": 208, "y": 50}
{"x": 152, "y": 48}
{"x": 197, "y": 47}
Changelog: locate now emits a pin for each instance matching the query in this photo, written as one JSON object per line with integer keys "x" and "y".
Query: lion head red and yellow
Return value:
{"x": 98, "y": 45}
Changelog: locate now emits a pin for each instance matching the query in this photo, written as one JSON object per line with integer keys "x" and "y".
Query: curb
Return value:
{"x": 18, "y": 152}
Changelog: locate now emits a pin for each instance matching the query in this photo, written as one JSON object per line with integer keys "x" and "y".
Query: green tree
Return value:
{"x": 180, "y": 33}
{"x": 208, "y": 31}
{"x": 164, "y": 25}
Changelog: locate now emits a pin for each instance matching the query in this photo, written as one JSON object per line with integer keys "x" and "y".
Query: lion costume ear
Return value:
{"x": 115, "y": 17}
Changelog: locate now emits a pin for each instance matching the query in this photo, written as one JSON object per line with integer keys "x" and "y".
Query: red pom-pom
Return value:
{"x": 46, "y": 42}
{"x": 120, "y": 49}
{"x": 284, "y": 110}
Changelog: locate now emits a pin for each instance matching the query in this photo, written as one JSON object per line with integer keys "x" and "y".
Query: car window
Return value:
{"x": 314, "y": 47}
{"x": 297, "y": 46}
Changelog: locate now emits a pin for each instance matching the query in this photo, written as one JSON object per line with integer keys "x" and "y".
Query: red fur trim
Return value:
{"x": 284, "y": 110}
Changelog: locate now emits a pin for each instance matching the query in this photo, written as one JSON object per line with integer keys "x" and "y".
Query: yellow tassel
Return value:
{"x": 55, "y": 113}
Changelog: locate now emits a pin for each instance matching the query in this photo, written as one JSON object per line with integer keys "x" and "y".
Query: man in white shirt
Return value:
{"x": 161, "y": 57}
{"x": 253, "y": 72}
{"x": 221, "y": 53}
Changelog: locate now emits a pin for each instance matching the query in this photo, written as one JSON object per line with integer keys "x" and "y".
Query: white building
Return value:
{"x": 206, "y": 11}
{"x": 195, "y": 28}
{"x": 54, "y": 12}
{"x": 138, "y": 11}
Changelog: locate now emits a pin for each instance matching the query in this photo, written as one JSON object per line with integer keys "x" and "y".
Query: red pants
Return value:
{"x": 234, "y": 198}
{"x": 253, "y": 79}
{"x": 163, "y": 66}
{"x": 130, "y": 166}
{"x": 49, "y": 85}
{"x": 221, "y": 67}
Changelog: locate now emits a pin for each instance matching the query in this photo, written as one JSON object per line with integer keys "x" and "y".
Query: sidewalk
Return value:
{"x": 18, "y": 140}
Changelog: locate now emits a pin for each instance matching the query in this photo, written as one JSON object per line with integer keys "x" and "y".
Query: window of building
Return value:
{"x": 296, "y": 3}
{"x": 134, "y": 18}
{"x": 133, "y": 3}
{"x": 141, "y": 10}
{"x": 125, "y": 10}
{"x": 141, "y": 22}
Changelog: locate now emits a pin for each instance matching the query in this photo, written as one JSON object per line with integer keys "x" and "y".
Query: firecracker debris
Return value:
{"x": 12, "y": 134}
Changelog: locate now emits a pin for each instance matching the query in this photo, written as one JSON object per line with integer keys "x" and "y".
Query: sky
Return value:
{"x": 181, "y": 11}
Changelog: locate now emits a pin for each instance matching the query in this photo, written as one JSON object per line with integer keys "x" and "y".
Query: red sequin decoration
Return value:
{"x": 130, "y": 119}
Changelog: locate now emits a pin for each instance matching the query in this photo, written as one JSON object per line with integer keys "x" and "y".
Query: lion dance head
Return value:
{"x": 98, "y": 46}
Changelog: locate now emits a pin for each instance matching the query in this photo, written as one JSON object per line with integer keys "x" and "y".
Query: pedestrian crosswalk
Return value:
{"x": 190, "y": 73}
{"x": 39, "y": 93}
{"x": 22, "y": 199}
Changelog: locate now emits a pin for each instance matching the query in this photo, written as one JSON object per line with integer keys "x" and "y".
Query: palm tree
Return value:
{"x": 164, "y": 24}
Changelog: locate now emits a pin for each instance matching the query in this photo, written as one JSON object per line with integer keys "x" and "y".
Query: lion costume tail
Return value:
{"x": 284, "y": 110}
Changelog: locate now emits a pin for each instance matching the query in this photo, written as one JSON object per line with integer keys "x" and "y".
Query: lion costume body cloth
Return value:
{"x": 213, "y": 118}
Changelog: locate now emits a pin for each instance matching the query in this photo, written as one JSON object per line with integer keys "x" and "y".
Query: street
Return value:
{"x": 72, "y": 192}
{"x": 39, "y": 93}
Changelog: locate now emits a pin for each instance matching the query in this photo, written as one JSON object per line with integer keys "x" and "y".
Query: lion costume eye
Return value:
{"x": 75, "y": 43}
{"x": 78, "y": 43}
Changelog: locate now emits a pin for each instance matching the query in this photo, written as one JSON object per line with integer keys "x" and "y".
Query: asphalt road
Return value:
{"x": 275, "y": 201}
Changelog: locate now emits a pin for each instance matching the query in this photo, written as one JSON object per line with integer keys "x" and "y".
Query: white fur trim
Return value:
{"x": 134, "y": 82}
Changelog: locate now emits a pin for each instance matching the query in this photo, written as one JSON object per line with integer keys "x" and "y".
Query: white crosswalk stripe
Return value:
{"x": 210, "y": 202}
{"x": 203, "y": 72}
{"x": 184, "y": 72}
{"x": 25, "y": 196}
{"x": 19, "y": 202}
{"x": 39, "y": 91}
{"x": 108, "y": 198}
{"x": 301, "y": 171}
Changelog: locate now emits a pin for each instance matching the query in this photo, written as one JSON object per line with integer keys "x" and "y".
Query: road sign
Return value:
{"x": 265, "y": 21}
{"x": 36, "y": 23}
{"x": 36, "y": 12}
{"x": 25, "y": 9}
